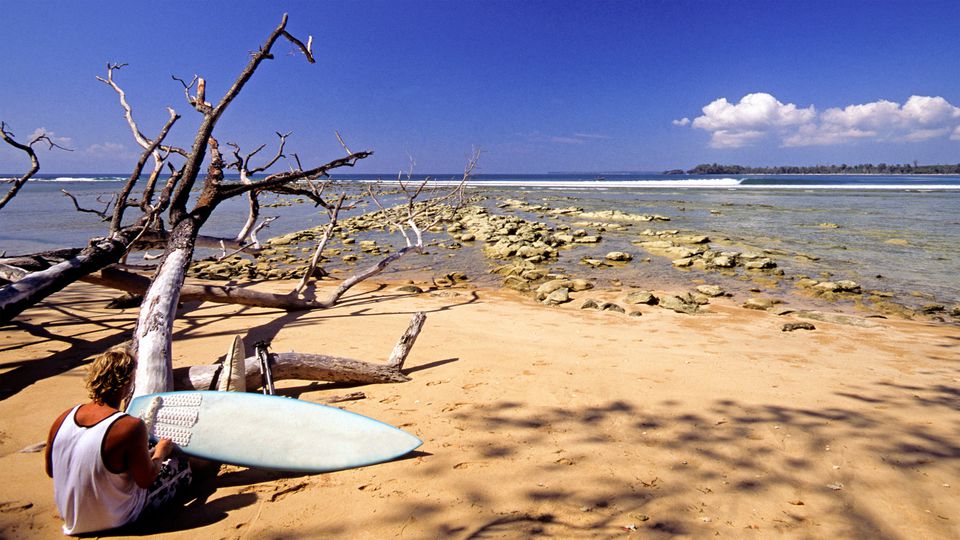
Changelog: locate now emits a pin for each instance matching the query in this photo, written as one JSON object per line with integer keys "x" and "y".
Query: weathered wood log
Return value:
{"x": 301, "y": 366}
{"x": 313, "y": 367}
{"x": 223, "y": 294}
{"x": 34, "y": 287}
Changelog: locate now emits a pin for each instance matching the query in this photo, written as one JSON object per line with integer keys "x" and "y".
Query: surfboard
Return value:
{"x": 270, "y": 432}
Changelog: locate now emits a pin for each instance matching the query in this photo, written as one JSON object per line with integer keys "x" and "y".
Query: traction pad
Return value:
{"x": 172, "y": 417}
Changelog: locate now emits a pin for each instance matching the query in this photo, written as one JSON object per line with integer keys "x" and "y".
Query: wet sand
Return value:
{"x": 553, "y": 421}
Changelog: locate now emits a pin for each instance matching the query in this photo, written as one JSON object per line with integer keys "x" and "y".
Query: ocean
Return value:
{"x": 891, "y": 233}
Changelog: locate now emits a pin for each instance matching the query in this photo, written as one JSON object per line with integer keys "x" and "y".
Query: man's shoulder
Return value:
{"x": 127, "y": 426}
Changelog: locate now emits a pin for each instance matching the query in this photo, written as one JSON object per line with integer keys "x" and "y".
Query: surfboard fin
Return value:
{"x": 233, "y": 376}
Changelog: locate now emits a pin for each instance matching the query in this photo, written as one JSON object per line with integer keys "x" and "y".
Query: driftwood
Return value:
{"x": 313, "y": 367}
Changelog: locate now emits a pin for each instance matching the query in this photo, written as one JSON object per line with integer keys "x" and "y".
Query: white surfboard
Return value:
{"x": 270, "y": 432}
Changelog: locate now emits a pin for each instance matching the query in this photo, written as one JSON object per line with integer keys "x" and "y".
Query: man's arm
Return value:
{"x": 144, "y": 466}
{"x": 48, "y": 450}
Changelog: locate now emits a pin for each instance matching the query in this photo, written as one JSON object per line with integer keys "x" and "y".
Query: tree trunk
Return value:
{"x": 153, "y": 337}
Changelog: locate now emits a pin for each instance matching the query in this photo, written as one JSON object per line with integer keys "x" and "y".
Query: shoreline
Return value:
{"x": 551, "y": 419}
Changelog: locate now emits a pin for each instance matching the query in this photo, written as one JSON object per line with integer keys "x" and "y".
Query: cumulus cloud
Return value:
{"x": 682, "y": 122}
{"x": 760, "y": 115}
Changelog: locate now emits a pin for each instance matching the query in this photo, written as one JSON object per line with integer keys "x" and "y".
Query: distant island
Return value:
{"x": 863, "y": 168}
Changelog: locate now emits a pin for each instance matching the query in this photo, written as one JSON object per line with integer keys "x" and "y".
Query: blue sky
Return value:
{"x": 538, "y": 86}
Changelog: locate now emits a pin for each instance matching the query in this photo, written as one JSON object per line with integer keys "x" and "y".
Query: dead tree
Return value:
{"x": 178, "y": 234}
{"x": 18, "y": 183}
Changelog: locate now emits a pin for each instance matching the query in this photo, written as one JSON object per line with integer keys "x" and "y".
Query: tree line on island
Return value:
{"x": 863, "y": 168}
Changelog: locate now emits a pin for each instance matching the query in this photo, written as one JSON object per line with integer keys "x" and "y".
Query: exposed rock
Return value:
{"x": 683, "y": 263}
{"x": 558, "y": 296}
{"x": 593, "y": 262}
{"x": 641, "y": 297}
{"x": 587, "y": 240}
{"x": 828, "y": 226}
{"x": 349, "y": 258}
{"x": 547, "y": 288}
{"x": 932, "y": 308}
{"x": 409, "y": 289}
{"x": 845, "y": 285}
{"x": 516, "y": 283}
{"x": 711, "y": 290}
{"x": 790, "y": 327}
{"x": 762, "y": 263}
{"x": 655, "y": 244}
{"x": 836, "y": 319}
{"x": 700, "y": 299}
{"x": 619, "y": 256}
{"x": 578, "y": 285}
{"x": 617, "y": 215}
{"x": 533, "y": 275}
{"x": 610, "y": 306}
{"x": 723, "y": 261}
{"x": 680, "y": 304}
{"x": 842, "y": 286}
{"x": 761, "y": 304}
{"x": 590, "y": 303}
{"x": 806, "y": 283}
{"x": 634, "y": 314}
{"x": 692, "y": 239}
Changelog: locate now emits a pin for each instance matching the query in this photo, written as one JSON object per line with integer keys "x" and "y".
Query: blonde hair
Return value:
{"x": 109, "y": 374}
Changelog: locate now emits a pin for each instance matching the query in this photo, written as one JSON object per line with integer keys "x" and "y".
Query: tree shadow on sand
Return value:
{"x": 669, "y": 470}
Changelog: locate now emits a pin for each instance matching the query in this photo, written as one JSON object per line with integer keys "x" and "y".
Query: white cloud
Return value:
{"x": 681, "y": 122}
{"x": 106, "y": 149}
{"x": 761, "y": 115}
{"x": 726, "y": 138}
{"x": 576, "y": 138}
{"x": 736, "y": 125}
{"x": 591, "y": 136}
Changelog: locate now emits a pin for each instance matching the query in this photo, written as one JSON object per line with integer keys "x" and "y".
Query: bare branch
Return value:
{"x": 280, "y": 179}
{"x": 193, "y": 101}
{"x": 343, "y": 144}
{"x": 101, "y": 213}
{"x": 305, "y": 49}
{"x": 128, "y": 114}
{"x": 149, "y": 150}
{"x": 34, "y": 164}
{"x": 333, "y": 212}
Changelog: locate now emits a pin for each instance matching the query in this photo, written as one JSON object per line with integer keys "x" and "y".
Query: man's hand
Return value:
{"x": 163, "y": 449}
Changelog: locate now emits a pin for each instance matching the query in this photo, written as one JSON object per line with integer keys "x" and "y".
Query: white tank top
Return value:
{"x": 89, "y": 496}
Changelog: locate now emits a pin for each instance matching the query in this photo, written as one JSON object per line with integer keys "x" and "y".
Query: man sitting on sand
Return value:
{"x": 104, "y": 473}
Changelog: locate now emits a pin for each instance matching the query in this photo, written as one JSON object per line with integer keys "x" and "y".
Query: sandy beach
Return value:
{"x": 548, "y": 421}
